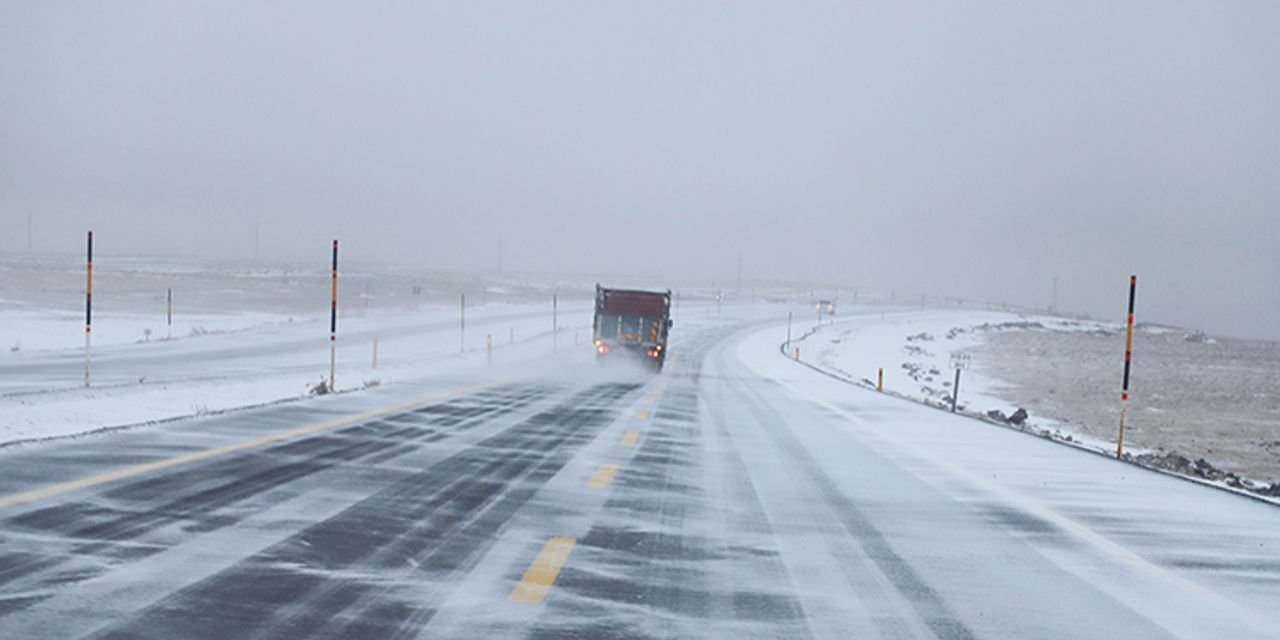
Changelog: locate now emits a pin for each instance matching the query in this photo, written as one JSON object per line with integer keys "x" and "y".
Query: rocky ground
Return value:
{"x": 1199, "y": 406}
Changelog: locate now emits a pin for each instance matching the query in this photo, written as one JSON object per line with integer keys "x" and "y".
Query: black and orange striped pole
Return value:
{"x": 333, "y": 323}
{"x": 88, "y": 305}
{"x": 1128, "y": 359}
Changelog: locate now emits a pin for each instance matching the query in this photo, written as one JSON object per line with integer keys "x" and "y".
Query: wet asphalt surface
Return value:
{"x": 420, "y": 522}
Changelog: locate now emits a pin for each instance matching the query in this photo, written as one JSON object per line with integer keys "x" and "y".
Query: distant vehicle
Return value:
{"x": 827, "y": 306}
{"x": 632, "y": 323}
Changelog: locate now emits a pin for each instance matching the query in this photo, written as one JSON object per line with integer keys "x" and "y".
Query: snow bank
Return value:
{"x": 1068, "y": 391}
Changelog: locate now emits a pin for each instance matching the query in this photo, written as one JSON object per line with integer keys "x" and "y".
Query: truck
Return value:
{"x": 632, "y": 324}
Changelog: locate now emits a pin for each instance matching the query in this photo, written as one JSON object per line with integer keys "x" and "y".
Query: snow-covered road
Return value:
{"x": 737, "y": 494}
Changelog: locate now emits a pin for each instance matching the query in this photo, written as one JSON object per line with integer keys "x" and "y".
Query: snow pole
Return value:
{"x": 880, "y": 379}
{"x": 169, "y": 312}
{"x": 462, "y": 323}
{"x": 88, "y": 305}
{"x": 955, "y": 391}
{"x": 959, "y": 361}
{"x": 1128, "y": 359}
{"x": 333, "y": 323}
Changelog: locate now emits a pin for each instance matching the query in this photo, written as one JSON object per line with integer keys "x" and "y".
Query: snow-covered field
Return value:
{"x": 1201, "y": 407}
{"x": 245, "y": 335}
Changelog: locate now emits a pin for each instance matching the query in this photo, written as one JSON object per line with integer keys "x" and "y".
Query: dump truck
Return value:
{"x": 632, "y": 324}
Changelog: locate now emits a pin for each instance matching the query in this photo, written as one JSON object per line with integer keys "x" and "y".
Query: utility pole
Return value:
{"x": 739, "y": 273}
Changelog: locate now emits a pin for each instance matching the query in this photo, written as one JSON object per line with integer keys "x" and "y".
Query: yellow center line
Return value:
{"x": 630, "y": 438}
{"x": 604, "y": 475}
{"x": 537, "y": 580}
{"x": 642, "y": 415}
{"x": 128, "y": 472}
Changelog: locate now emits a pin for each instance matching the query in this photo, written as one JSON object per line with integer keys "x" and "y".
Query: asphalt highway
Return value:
{"x": 732, "y": 495}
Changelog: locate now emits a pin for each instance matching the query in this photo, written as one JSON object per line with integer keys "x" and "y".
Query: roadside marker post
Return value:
{"x": 955, "y": 391}
{"x": 488, "y": 347}
{"x": 169, "y": 315}
{"x": 959, "y": 362}
{"x": 333, "y": 324}
{"x": 789, "y": 328}
{"x": 88, "y": 306}
{"x": 375, "y": 351}
{"x": 880, "y": 380}
{"x": 1128, "y": 358}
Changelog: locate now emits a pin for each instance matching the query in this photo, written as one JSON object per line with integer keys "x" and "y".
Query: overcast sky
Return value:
{"x": 976, "y": 149}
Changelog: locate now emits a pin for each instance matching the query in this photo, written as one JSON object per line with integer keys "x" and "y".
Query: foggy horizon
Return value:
{"x": 972, "y": 150}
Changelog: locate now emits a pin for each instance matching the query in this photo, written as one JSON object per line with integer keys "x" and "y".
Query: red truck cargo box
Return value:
{"x": 635, "y": 303}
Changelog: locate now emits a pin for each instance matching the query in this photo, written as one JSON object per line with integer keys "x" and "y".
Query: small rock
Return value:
{"x": 1018, "y": 417}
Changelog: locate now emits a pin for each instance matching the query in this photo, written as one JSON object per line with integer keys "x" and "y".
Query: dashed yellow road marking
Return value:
{"x": 535, "y": 584}
{"x": 128, "y": 472}
{"x": 642, "y": 415}
{"x": 604, "y": 475}
{"x": 630, "y": 438}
